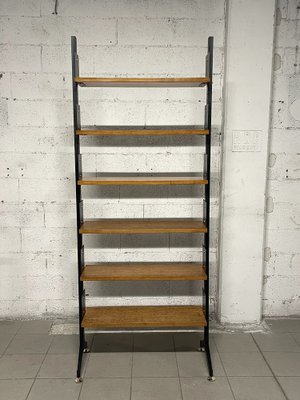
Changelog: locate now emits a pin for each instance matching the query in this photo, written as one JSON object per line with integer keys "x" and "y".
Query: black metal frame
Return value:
{"x": 204, "y": 344}
{"x": 208, "y": 110}
{"x": 79, "y": 209}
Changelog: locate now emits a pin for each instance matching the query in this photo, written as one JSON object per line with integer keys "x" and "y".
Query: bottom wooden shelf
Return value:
{"x": 144, "y": 316}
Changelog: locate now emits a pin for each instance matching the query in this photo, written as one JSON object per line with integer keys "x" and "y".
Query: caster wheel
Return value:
{"x": 78, "y": 380}
{"x": 211, "y": 378}
{"x": 202, "y": 349}
{"x": 87, "y": 350}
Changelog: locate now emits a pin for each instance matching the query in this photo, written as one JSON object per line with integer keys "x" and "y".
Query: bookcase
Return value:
{"x": 174, "y": 317}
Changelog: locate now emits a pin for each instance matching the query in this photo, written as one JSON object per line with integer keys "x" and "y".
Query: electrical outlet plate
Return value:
{"x": 249, "y": 141}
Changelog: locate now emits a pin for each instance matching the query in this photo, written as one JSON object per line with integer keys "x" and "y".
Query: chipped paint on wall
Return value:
{"x": 267, "y": 253}
{"x": 272, "y": 160}
{"x": 270, "y": 204}
{"x": 277, "y": 62}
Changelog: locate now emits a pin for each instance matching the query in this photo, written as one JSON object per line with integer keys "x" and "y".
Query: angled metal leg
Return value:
{"x": 211, "y": 377}
{"x": 204, "y": 344}
{"x": 80, "y": 355}
{"x": 78, "y": 374}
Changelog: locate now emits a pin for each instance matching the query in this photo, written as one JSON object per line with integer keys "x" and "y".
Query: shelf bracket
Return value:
{"x": 78, "y": 116}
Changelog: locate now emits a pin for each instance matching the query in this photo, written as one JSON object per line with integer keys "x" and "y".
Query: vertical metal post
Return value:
{"x": 208, "y": 111}
{"x": 76, "y": 122}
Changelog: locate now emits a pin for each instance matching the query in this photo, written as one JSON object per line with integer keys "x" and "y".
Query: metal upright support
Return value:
{"x": 208, "y": 111}
{"x": 76, "y": 122}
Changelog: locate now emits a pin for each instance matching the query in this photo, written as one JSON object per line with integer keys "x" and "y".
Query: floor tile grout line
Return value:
{"x": 292, "y": 336}
{"x": 4, "y": 352}
{"x": 226, "y": 376}
{"x": 84, "y": 364}
{"x": 29, "y": 354}
{"x": 35, "y": 333}
{"x": 175, "y": 353}
{"x": 232, "y": 392}
{"x": 34, "y": 379}
{"x": 87, "y": 356}
{"x": 40, "y": 378}
{"x": 81, "y": 386}
{"x": 289, "y": 334}
{"x": 15, "y": 379}
{"x": 274, "y": 376}
{"x": 14, "y": 335}
{"x": 131, "y": 374}
{"x": 20, "y": 327}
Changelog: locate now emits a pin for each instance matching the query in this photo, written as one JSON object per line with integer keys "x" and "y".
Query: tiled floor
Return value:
{"x": 37, "y": 366}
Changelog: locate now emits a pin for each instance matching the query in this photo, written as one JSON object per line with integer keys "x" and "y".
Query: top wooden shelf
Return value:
{"x": 132, "y": 130}
{"x": 142, "y": 82}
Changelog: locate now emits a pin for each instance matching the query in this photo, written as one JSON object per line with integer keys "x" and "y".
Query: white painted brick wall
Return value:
{"x": 57, "y": 31}
{"x": 10, "y": 240}
{"x": 282, "y": 257}
{"x": 37, "y": 198}
{"x": 46, "y": 86}
{"x": 20, "y": 58}
{"x": 16, "y": 215}
{"x": 41, "y": 190}
{"x": 30, "y": 8}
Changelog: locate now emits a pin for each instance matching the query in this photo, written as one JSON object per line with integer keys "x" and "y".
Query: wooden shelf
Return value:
{"x": 143, "y": 180}
{"x": 105, "y": 226}
{"x": 144, "y": 316}
{"x": 145, "y": 271}
{"x": 141, "y": 82}
{"x": 141, "y": 131}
